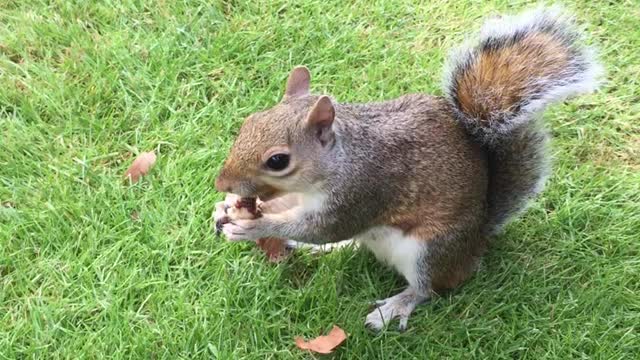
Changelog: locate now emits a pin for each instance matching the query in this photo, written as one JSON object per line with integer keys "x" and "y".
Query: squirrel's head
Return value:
{"x": 283, "y": 149}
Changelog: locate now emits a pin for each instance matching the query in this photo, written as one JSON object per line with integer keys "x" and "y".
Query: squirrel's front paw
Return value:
{"x": 229, "y": 211}
{"x": 239, "y": 230}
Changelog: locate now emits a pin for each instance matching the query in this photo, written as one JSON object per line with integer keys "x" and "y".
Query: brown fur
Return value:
{"x": 498, "y": 79}
{"x": 446, "y": 205}
{"x": 432, "y": 203}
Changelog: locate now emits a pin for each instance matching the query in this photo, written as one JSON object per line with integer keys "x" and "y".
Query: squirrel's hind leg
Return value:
{"x": 428, "y": 262}
{"x": 407, "y": 254}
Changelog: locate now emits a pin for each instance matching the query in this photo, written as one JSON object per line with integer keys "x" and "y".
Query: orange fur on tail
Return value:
{"x": 497, "y": 86}
{"x": 520, "y": 65}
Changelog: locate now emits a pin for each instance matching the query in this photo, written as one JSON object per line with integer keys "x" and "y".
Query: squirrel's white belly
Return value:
{"x": 391, "y": 246}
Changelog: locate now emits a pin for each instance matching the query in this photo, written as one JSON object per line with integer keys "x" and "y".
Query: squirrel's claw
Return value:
{"x": 233, "y": 232}
{"x": 220, "y": 223}
{"x": 220, "y": 216}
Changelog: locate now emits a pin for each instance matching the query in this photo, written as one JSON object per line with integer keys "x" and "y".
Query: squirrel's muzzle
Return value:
{"x": 229, "y": 183}
{"x": 223, "y": 185}
{"x": 246, "y": 188}
{"x": 235, "y": 185}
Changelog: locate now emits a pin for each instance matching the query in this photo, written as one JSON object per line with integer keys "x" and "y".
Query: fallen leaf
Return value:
{"x": 8, "y": 204}
{"x": 140, "y": 166}
{"x": 275, "y": 248}
{"x": 323, "y": 344}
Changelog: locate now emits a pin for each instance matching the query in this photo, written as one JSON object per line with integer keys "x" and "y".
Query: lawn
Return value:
{"x": 91, "y": 267}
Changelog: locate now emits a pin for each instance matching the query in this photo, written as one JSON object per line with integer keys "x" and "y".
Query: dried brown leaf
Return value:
{"x": 323, "y": 344}
{"x": 275, "y": 248}
{"x": 8, "y": 204}
{"x": 140, "y": 166}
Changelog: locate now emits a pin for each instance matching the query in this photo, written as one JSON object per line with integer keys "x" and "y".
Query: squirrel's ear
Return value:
{"x": 320, "y": 119}
{"x": 298, "y": 83}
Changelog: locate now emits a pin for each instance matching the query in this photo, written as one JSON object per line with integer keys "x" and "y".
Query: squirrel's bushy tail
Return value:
{"x": 499, "y": 84}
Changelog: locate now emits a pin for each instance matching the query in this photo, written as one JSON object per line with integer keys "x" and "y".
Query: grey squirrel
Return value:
{"x": 423, "y": 181}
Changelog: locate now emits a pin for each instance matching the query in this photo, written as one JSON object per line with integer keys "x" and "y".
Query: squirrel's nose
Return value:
{"x": 223, "y": 185}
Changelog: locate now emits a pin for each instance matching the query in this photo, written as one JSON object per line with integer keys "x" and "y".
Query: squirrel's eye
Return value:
{"x": 278, "y": 162}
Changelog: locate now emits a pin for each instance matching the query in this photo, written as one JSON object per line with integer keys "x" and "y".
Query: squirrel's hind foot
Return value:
{"x": 399, "y": 306}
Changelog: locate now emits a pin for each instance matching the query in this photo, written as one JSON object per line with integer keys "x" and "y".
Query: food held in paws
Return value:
{"x": 250, "y": 204}
{"x": 243, "y": 208}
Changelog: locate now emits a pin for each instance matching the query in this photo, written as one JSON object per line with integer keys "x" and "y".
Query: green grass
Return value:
{"x": 86, "y": 85}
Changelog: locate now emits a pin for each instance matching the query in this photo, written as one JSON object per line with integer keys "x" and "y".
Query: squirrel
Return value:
{"x": 422, "y": 181}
